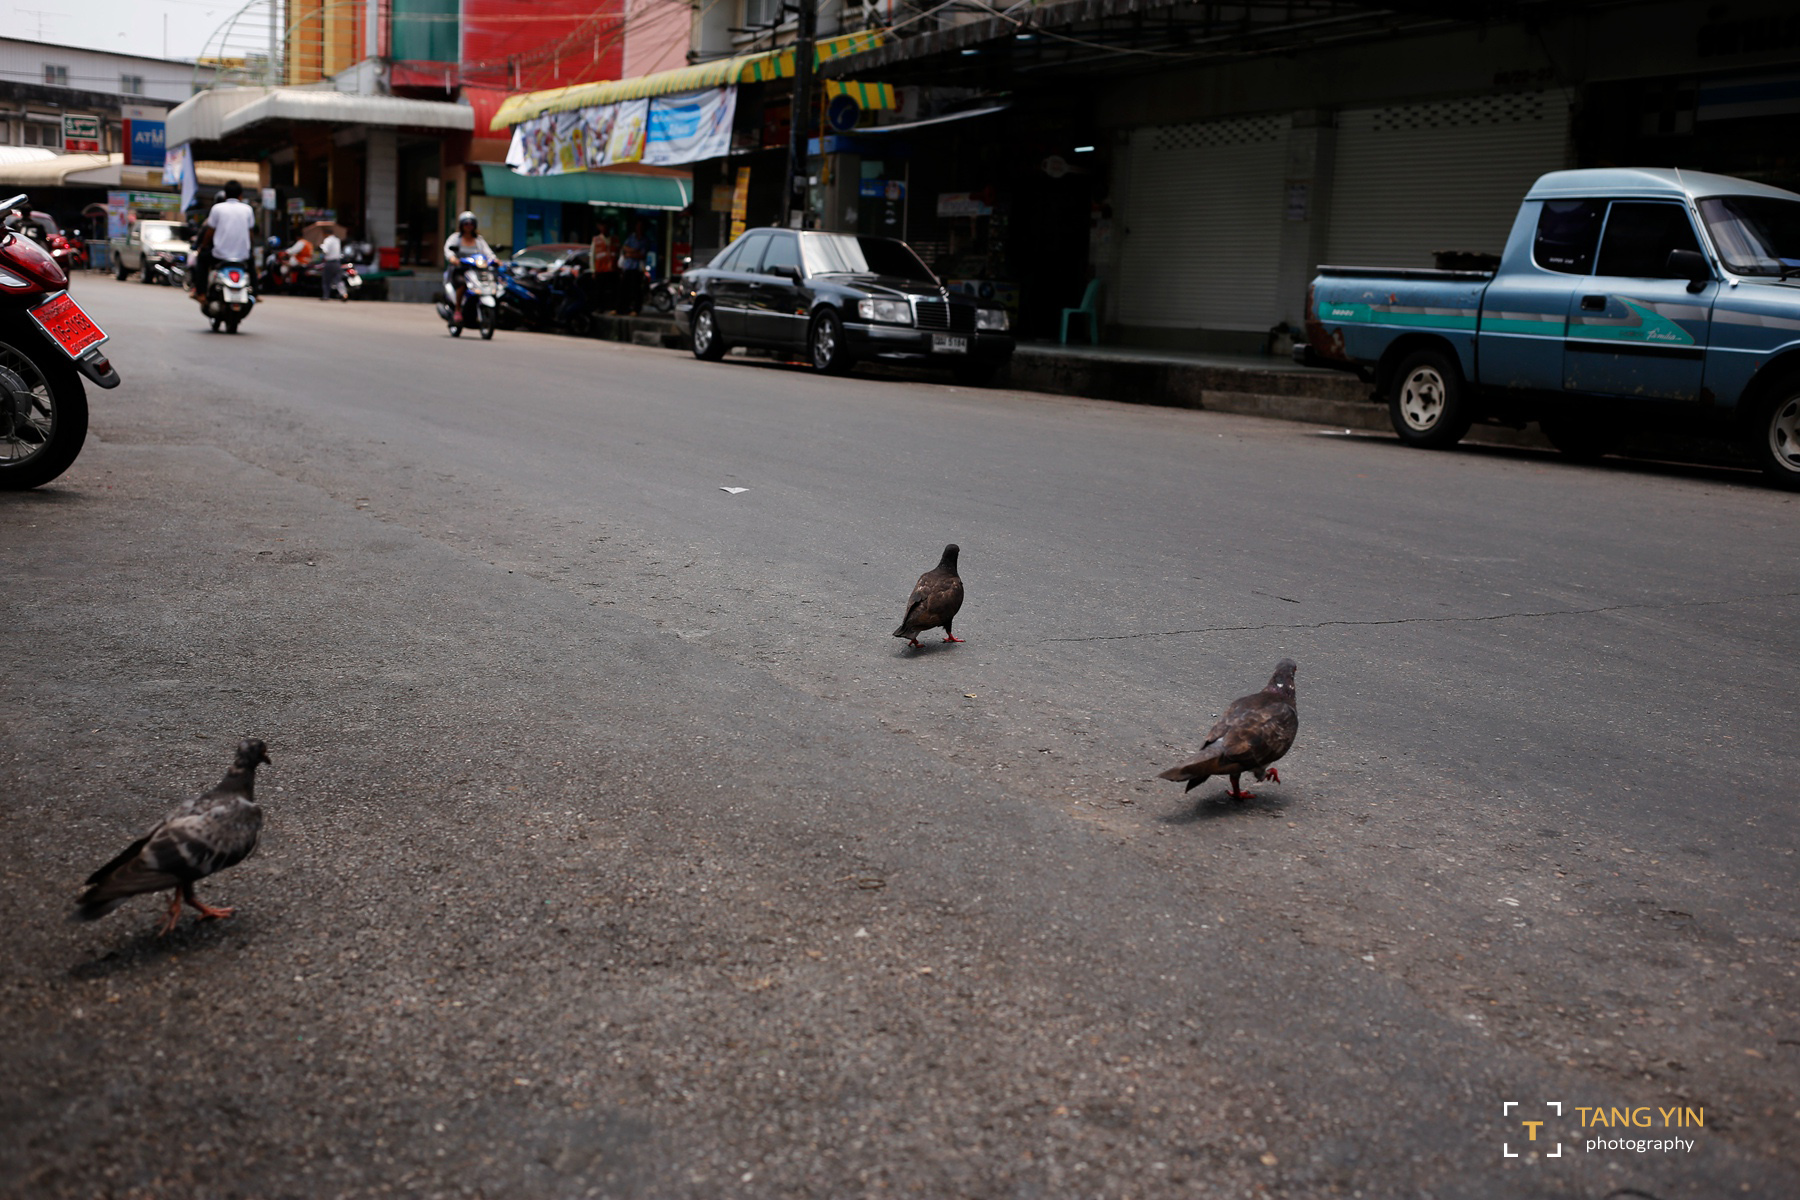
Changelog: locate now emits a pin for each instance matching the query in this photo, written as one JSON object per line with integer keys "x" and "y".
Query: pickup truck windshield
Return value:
{"x": 844, "y": 254}
{"x": 1755, "y": 235}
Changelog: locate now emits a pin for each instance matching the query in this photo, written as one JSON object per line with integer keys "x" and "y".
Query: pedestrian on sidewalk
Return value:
{"x": 632, "y": 257}
{"x": 603, "y": 261}
{"x": 331, "y": 277}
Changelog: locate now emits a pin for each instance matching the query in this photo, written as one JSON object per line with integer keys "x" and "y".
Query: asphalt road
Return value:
{"x": 614, "y": 848}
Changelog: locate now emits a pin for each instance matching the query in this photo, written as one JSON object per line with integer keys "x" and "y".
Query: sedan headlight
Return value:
{"x": 894, "y": 312}
{"x": 992, "y": 319}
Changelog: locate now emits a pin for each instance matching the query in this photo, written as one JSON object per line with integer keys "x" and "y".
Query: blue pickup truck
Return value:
{"x": 1624, "y": 298}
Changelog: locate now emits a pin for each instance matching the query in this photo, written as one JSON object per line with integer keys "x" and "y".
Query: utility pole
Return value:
{"x": 794, "y": 211}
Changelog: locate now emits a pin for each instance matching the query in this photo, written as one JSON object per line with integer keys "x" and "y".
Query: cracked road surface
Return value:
{"x": 613, "y": 847}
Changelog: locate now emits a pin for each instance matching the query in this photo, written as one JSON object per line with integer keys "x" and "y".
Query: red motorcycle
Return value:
{"x": 46, "y": 345}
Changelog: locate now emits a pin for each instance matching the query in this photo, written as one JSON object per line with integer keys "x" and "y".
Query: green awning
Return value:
{"x": 615, "y": 189}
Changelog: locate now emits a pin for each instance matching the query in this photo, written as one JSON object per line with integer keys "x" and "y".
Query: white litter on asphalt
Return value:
{"x": 734, "y": 491}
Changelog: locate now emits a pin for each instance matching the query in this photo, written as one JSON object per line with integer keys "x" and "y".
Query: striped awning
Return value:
{"x": 868, "y": 96}
{"x": 745, "y": 68}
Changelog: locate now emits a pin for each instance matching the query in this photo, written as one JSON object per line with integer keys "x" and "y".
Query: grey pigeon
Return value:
{"x": 935, "y": 601}
{"x": 1254, "y": 732}
{"x": 215, "y": 830}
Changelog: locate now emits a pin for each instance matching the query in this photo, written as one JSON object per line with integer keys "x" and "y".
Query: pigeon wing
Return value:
{"x": 184, "y": 848}
{"x": 936, "y": 598}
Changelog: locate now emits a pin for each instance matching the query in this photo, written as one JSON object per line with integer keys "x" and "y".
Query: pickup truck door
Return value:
{"x": 1525, "y": 311}
{"x": 1633, "y": 331}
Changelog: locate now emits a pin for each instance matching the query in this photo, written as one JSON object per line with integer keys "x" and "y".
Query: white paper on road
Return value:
{"x": 733, "y": 491}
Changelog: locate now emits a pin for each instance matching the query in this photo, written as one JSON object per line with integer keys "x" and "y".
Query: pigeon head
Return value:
{"x": 250, "y": 752}
{"x": 948, "y": 562}
{"x": 1282, "y": 681}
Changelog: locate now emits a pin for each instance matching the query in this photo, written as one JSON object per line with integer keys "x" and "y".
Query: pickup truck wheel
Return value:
{"x": 1774, "y": 439}
{"x": 1581, "y": 437}
{"x": 1426, "y": 402}
{"x": 119, "y": 271}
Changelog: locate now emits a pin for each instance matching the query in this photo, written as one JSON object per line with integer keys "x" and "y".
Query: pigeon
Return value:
{"x": 1254, "y": 732}
{"x": 215, "y": 830}
{"x": 936, "y": 598}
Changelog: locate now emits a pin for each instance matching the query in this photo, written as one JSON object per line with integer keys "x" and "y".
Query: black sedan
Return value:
{"x": 837, "y": 298}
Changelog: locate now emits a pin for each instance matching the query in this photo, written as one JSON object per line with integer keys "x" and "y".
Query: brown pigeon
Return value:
{"x": 1254, "y": 732}
{"x": 936, "y": 598}
{"x": 215, "y": 830}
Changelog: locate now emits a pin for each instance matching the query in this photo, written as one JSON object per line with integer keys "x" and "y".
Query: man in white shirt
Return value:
{"x": 225, "y": 237}
{"x": 331, "y": 279}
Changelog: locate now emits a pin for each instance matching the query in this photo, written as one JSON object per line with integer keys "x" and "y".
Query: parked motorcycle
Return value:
{"x": 167, "y": 267}
{"x": 229, "y": 297}
{"x": 481, "y": 278}
{"x": 666, "y": 293}
{"x": 46, "y": 345}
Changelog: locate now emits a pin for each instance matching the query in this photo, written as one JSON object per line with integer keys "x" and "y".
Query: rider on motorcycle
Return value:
{"x": 466, "y": 242}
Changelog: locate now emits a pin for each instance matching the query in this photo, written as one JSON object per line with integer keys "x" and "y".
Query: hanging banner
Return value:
{"x": 627, "y": 141}
{"x": 596, "y": 128}
{"x": 538, "y": 148}
{"x": 690, "y": 126}
{"x": 178, "y": 172}
{"x": 571, "y": 147}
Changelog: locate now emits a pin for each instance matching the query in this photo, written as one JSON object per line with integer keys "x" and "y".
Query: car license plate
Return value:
{"x": 944, "y": 343}
{"x": 67, "y": 325}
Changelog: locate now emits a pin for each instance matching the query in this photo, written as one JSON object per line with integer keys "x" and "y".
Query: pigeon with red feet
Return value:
{"x": 215, "y": 830}
{"x": 936, "y": 599}
{"x": 1254, "y": 732}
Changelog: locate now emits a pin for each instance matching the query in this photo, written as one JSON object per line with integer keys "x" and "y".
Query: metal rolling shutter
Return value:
{"x": 1203, "y": 211}
{"x": 1417, "y": 178}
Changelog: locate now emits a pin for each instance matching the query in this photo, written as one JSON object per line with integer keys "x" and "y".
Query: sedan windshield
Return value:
{"x": 845, "y": 254}
{"x": 1756, "y": 235}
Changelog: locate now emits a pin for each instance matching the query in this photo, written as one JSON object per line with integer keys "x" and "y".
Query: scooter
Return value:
{"x": 229, "y": 297}
{"x": 47, "y": 344}
{"x": 481, "y": 284}
{"x": 665, "y": 294}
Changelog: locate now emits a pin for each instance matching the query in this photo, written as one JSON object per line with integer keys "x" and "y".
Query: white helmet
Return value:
{"x": 467, "y": 218}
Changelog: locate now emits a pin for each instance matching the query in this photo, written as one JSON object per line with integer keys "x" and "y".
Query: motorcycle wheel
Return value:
{"x": 231, "y": 326}
{"x": 455, "y": 330}
{"x": 662, "y": 300}
{"x": 216, "y": 322}
{"x": 43, "y": 415}
{"x": 580, "y": 324}
{"x": 487, "y": 324}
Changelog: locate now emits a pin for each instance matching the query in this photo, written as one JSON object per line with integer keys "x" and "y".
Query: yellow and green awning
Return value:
{"x": 745, "y": 68}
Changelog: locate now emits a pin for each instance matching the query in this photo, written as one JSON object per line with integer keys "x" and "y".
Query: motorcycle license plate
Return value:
{"x": 944, "y": 343}
{"x": 67, "y": 325}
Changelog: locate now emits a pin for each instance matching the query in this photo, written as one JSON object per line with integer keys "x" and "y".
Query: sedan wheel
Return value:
{"x": 708, "y": 345}
{"x": 829, "y": 354}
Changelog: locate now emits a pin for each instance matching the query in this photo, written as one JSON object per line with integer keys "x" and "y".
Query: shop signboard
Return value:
{"x": 143, "y": 134}
{"x": 961, "y": 204}
{"x": 740, "y": 203}
{"x": 81, "y": 134}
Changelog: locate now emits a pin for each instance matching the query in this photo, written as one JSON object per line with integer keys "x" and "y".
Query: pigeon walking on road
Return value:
{"x": 215, "y": 830}
{"x": 1254, "y": 732}
{"x": 936, "y": 598}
